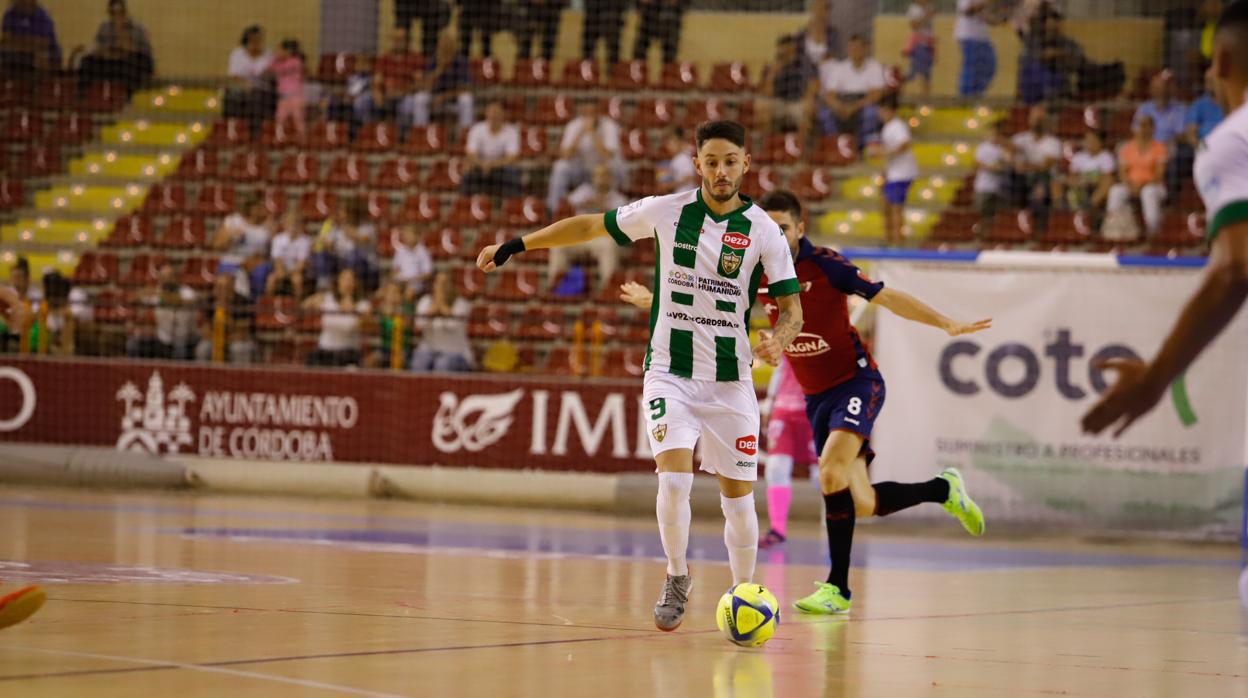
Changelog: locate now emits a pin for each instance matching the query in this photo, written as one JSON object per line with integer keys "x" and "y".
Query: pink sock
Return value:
{"x": 778, "y": 499}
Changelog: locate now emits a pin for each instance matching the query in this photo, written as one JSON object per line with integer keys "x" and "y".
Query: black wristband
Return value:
{"x": 504, "y": 252}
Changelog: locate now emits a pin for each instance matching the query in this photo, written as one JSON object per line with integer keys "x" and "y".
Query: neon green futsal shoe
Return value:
{"x": 826, "y": 601}
{"x": 960, "y": 505}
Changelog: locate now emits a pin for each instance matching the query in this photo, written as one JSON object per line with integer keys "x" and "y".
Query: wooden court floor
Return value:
{"x": 178, "y": 595}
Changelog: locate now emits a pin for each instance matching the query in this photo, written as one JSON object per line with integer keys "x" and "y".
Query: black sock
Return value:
{"x": 840, "y": 521}
{"x": 892, "y": 497}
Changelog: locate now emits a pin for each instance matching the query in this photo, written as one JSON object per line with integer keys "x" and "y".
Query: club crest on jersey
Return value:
{"x": 732, "y": 254}
{"x": 659, "y": 432}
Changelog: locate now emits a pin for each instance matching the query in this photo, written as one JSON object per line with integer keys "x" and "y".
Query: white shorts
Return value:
{"x": 724, "y": 413}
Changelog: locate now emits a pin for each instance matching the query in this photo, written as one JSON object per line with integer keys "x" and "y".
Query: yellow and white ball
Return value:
{"x": 748, "y": 615}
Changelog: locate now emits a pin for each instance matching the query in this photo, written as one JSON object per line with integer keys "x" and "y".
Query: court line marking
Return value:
{"x": 1030, "y": 611}
{"x": 158, "y": 665}
{"x": 211, "y": 668}
{"x": 312, "y": 611}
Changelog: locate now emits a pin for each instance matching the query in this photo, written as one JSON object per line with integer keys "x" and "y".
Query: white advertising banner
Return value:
{"x": 1004, "y": 405}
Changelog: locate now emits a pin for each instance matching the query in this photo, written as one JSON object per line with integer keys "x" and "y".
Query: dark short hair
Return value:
{"x": 730, "y": 131}
{"x": 786, "y": 39}
{"x": 248, "y": 33}
{"x": 782, "y": 201}
{"x": 1100, "y": 135}
{"x": 291, "y": 45}
{"x": 22, "y": 264}
{"x": 1234, "y": 15}
{"x": 859, "y": 37}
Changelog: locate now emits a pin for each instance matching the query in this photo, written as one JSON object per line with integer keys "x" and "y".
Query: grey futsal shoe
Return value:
{"x": 670, "y": 609}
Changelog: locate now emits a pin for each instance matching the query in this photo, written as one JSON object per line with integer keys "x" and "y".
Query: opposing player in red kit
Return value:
{"x": 844, "y": 395}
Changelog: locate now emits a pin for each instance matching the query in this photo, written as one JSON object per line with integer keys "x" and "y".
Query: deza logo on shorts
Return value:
{"x": 1014, "y": 369}
{"x": 748, "y": 445}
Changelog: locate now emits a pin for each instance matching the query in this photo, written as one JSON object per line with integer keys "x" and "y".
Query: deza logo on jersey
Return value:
{"x": 736, "y": 241}
{"x": 1013, "y": 369}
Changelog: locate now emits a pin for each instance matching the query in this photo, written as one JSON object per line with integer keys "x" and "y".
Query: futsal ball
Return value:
{"x": 748, "y": 615}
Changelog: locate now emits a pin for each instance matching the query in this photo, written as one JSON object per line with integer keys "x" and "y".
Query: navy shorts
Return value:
{"x": 895, "y": 192}
{"x": 851, "y": 406}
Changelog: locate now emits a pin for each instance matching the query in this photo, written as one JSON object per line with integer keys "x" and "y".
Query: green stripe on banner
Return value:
{"x": 682, "y": 298}
{"x": 726, "y": 359}
{"x": 681, "y": 349}
{"x": 726, "y": 306}
{"x": 1183, "y": 406}
{"x": 688, "y": 230}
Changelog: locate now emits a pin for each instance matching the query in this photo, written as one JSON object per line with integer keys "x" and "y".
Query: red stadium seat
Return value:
{"x": 446, "y": 243}
{"x": 348, "y": 171}
{"x": 628, "y": 76}
{"x": 699, "y": 110}
{"x": 489, "y": 322}
{"x": 199, "y": 272}
{"x": 14, "y": 91}
{"x": 329, "y": 135}
{"x": 781, "y": 149}
{"x": 761, "y": 180}
{"x": 183, "y": 233}
{"x": 197, "y": 165}
{"x": 425, "y": 140}
{"x": 12, "y": 194}
{"x": 95, "y": 269}
{"x": 378, "y": 205}
{"x": 655, "y": 113}
{"x": 216, "y": 200}
{"x": 248, "y": 166}
{"x": 281, "y": 136}
{"x": 581, "y": 75}
{"x": 377, "y": 137}
{"x": 531, "y": 72}
{"x": 680, "y": 77}
{"x": 470, "y": 211}
{"x": 835, "y": 151}
{"x": 533, "y": 142}
{"x": 538, "y": 323}
{"x": 486, "y": 71}
{"x": 445, "y": 175}
{"x": 165, "y": 198}
{"x": 729, "y": 77}
{"x": 298, "y": 168}
{"x": 524, "y": 212}
{"x": 956, "y": 227}
{"x": 635, "y": 145}
{"x": 814, "y": 184}
{"x": 1011, "y": 228}
{"x": 142, "y": 271}
{"x": 565, "y": 361}
{"x": 229, "y": 132}
{"x": 471, "y": 281}
{"x": 421, "y": 208}
{"x": 276, "y": 313}
{"x": 553, "y": 110}
{"x": 38, "y": 160}
{"x": 133, "y": 230}
{"x": 398, "y": 173}
{"x": 72, "y": 128}
{"x": 318, "y": 204}
{"x": 335, "y": 68}
{"x": 56, "y": 93}
{"x": 275, "y": 201}
{"x": 103, "y": 96}
{"x": 514, "y": 285}
{"x": 22, "y": 126}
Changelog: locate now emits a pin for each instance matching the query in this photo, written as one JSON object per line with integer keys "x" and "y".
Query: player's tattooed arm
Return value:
{"x": 907, "y": 306}
{"x": 788, "y": 325}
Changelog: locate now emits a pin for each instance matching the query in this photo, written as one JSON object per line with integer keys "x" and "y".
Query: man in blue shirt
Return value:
{"x": 1200, "y": 119}
{"x": 1168, "y": 114}
{"x": 29, "y": 38}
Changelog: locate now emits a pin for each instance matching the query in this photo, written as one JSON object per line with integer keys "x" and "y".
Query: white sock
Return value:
{"x": 672, "y": 510}
{"x": 740, "y": 535}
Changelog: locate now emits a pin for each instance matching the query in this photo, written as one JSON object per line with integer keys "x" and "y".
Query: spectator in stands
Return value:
{"x": 442, "y": 90}
{"x": 1166, "y": 113}
{"x": 1141, "y": 167}
{"x": 391, "y": 82}
{"x": 604, "y": 19}
{"x": 1092, "y": 173}
{"x": 392, "y": 312}
{"x": 482, "y": 17}
{"x": 176, "y": 307}
{"x": 244, "y": 239}
{"x": 348, "y": 240}
{"x": 595, "y": 196}
{"x": 589, "y": 139}
{"x": 343, "y": 314}
{"x": 1201, "y": 118}
{"x": 540, "y": 20}
{"x": 492, "y": 148}
{"x": 19, "y": 301}
{"x": 1051, "y": 61}
{"x": 677, "y": 172}
{"x": 413, "y": 266}
{"x": 851, "y": 89}
{"x": 434, "y": 16}
{"x": 921, "y": 45}
{"x": 288, "y": 70}
{"x": 250, "y": 95}
{"x": 661, "y": 21}
{"x": 122, "y": 52}
{"x": 230, "y": 320}
{"x": 979, "y": 58}
{"x": 28, "y": 42}
{"x": 290, "y": 252}
{"x": 993, "y": 164}
{"x": 787, "y": 87}
{"x": 819, "y": 40}
{"x": 1037, "y": 154}
{"x": 442, "y": 318}
{"x": 901, "y": 168}
{"x": 58, "y": 322}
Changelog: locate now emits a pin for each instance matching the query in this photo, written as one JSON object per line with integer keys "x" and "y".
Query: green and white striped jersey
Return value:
{"x": 1221, "y": 172}
{"x": 706, "y": 274}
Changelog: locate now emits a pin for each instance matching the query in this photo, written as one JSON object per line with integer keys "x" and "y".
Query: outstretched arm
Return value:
{"x": 1210, "y": 310}
{"x": 907, "y": 306}
{"x": 564, "y": 233}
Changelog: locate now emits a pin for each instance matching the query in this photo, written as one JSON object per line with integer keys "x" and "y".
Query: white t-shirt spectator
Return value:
{"x": 344, "y": 245}
{"x": 291, "y": 249}
{"x": 1092, "y": 166}
{"x": 175, "y": 325}
{"x": 902, "y": 167}
{"x": 340, "y": 324}
{"x": 488, "y": 146}
{"x": 679, "y": 171}
{"x": 244, "y": 65}
{"x": 254, "y": 241}
{"x": 584, "y": 199}
{"x": 989, "y": 154}
{"x": 843, "y": 77}
{"x": 444, "y": 335}
{"x": 411, "y": 263}
{"x": 607, "y": 128}
{"x": 967, "y": 27}
{"x": 1035, "y": 151}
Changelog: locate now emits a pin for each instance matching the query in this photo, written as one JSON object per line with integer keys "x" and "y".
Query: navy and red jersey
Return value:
{"x": 828, "y": 351}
